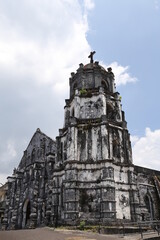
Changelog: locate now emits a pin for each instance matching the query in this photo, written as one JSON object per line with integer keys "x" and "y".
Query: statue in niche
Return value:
{"x": 110, "y": 172}
{"x": 123, "y": 201}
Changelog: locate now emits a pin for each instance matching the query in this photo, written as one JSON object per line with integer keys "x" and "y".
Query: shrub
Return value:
{"x": 82, "y": 225}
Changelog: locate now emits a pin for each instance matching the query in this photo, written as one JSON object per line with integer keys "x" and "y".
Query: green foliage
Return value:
{"x": 82, "y": 225}
{"x": 83, "y": 91}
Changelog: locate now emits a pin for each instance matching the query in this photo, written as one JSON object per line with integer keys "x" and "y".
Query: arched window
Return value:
{"x": 26, "y": 213}
{"x": 149, "y": 205}
{"x": 104, "y": 84}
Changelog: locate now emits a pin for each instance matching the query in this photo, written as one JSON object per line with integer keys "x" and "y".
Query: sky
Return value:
{"x": 42, "y": 42}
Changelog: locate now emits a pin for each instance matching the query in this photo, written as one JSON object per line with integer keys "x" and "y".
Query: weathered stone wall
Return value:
{"x": 92, "y": 76}
{"x": 93, "y": 192}
{"x": 149, "y": 202}
{"x": 94, "y": 142}
{"x": 87, "y": 174}
{"x": 3, "y": 190}
{"x": 28, "y": 187}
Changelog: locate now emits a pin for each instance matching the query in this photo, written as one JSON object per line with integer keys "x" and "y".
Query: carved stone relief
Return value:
{"x": 123, "y": 201}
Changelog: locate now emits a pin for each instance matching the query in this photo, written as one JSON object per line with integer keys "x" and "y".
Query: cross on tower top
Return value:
{"x": 91, "y": 56}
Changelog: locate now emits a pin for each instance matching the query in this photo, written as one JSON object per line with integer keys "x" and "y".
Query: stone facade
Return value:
{"x": 3, "y": 190}
{"x": 87, "y": 173}
{"x": 28, "y": 188}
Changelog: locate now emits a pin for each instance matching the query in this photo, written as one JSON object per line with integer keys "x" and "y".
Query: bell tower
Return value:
{"x": 94, "y": 127}
{"x": 94, "y": 147}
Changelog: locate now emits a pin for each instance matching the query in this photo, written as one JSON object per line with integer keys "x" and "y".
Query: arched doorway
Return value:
{"x": 26, "y": 213}
{"x": 149, "y": 205}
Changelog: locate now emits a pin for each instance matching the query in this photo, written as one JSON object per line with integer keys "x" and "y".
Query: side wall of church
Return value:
{"x": 28, "y": 187}
{"x": 149, "y": 206}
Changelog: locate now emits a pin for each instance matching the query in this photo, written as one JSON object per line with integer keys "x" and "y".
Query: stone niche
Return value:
{"x": 108, "y": 172}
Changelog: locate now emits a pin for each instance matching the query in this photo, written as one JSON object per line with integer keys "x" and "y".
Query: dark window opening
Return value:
{"x": 105, "y": 85}
{"x": 149, "y": 205}
{"x": 28, "y": 212}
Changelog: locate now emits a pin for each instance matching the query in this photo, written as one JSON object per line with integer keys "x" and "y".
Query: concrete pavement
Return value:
{"x": 60, "y": 234}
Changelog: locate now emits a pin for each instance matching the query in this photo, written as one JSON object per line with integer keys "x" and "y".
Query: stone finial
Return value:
{"x": 72, "y": 74}
{"x": 110, "y": 72}
{"x": 14, "y": 171}
{"x": 109, "y": 69}
{"x": 81, "y": 65}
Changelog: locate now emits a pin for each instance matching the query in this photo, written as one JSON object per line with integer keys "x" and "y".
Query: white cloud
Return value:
{"x": 41, "y": 43}
{"x": 11, "y": 149}
{"x": 134, "y": 139}
{"x": 3, "y": 178}
{"x": 156, "y": 4}
{"x": 52, "y": 35}
{"x": 122, "y": 76}
{"x": 8, "y": 154}
{"x": 146, "y": 149}
{"x": 89, "y": 4}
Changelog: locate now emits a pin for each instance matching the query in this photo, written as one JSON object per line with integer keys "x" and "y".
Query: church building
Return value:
{"x": 87, "y": 173}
